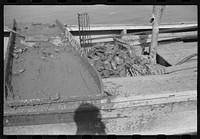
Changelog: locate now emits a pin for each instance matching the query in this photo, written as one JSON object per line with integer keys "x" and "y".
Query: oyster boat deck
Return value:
{"x": 153, "y": 104}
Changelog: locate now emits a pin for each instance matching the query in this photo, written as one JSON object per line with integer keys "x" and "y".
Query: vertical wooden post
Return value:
{"x": 79, "y": 27}
{"x": 124, "y": 31}
{"x": 157, "y": 15}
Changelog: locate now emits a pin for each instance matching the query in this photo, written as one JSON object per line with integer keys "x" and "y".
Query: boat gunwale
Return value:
{"x": 107, "y": 104}
{"x": 161, "y": 24}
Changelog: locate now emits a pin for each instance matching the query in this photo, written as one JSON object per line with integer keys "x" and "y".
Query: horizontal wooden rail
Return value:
{"x": 138, "y": 40}
{"x": 146, "y": 32}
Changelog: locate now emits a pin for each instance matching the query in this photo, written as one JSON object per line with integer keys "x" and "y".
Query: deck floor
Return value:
{"x": 185, "y": 80}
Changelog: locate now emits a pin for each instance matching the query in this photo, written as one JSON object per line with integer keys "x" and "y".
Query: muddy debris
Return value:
{"x": 18, "y": 72}
{"x": 52, "y": 56}
{"x": 52, "y": 26}
{"x": 16, "y": 47}
{"x": 36, "y": 24}
{"x": 18, "y": 51}
{"x": 16, "y": 56}
{"x": 56, "y": 50}
{"x": 46, "y": 54}
{"x": 25, "y": 49}
{"x": 59, "y": 69}
{"x": 36, "y": 46}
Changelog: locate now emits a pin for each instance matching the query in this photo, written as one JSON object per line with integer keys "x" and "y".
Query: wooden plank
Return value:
{"x": 147, "y": 32}
{"x": 157, "y": 15}
{"x": 129, "y": 120}
{"x": 114, "y": 103}
{"x": 144, "y": 39}
{"x": 167, "y": 125}
{"x": 160, "y": 35}
{"x": 151, "y": 99}
{"x": 101, "y": 27}
{"x": 68, "y": 109}
{"x": 8, "y": 92}
{"x": 152, "y": 84}
{"x": 11, "y": 30}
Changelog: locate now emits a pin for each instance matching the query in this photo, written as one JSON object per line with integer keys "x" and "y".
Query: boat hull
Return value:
{"x": 154, "y": 104}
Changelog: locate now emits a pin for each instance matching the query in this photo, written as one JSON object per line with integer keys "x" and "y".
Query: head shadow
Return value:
{"x": 88, "y": 120}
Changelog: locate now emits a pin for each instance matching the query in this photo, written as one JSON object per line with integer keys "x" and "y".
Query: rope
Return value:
{"x": 186, "y": 59}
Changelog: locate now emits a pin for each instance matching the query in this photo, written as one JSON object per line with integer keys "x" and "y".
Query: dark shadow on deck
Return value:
{"x": 160, "y": 60}
{"x": 88, "y": 120}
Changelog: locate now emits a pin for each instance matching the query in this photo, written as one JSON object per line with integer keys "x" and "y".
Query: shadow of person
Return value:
{"x": 88, "y": 120}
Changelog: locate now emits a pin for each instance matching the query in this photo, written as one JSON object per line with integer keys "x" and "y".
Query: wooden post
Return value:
{"x": 124, "y": 31}
{"x": 156, "y": 18}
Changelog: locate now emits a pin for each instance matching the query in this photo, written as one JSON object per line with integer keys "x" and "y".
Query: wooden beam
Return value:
{"x": 124, "y": 31}
{"x": 157, "y": 15}
{"x": 8, "y": 91}
{"x": 136, "y": 39}
{"x": 132, "y": 107}
{"x": 161, "y": 35}
{"x": 104, "y": 27}
{"x": 147, "y": 32}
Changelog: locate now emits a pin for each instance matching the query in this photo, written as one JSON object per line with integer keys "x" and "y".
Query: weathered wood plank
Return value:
{"x": 161, "y": 35}
{"x": 192, "y": 28}
{"x": 166, "y": 118}
{"x": 8, "y": 92}
{"x": 114, "y": 103}
{"x": 152, "y": 84}
{"x": 131, "y": 27}
{"x": 138, "y": 40}
{"x": 157, "y": 15}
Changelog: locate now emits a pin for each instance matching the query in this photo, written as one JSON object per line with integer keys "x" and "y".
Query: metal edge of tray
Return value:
{"x": 82, "y": 56}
